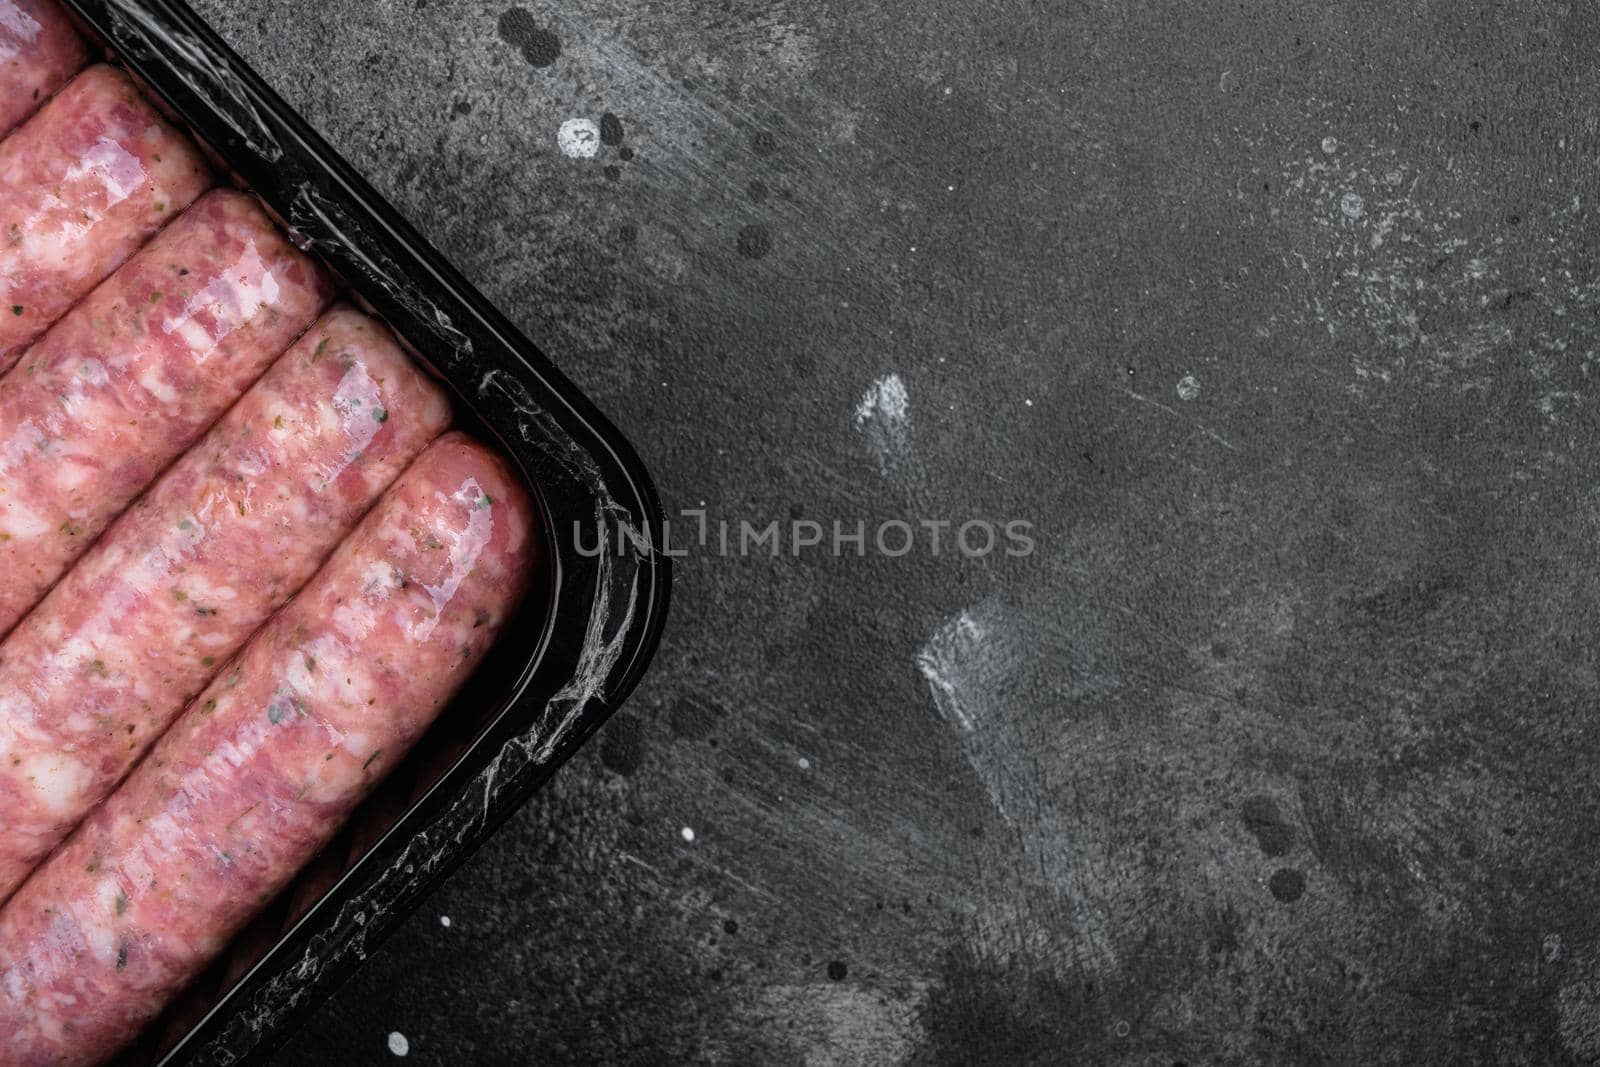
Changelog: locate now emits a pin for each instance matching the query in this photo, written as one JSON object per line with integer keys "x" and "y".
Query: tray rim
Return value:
{"x": 195, "y": 74}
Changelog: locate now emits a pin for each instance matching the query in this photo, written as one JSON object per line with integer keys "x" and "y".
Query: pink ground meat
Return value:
{"x": 260, "y": 771}
{"x": 133, "y": 375}
{"x": 39, "y": 51}
{"x": 101, "y": 667}
{"x": 83, "y": 184}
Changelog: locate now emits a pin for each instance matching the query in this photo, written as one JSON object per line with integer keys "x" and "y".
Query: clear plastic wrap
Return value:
{"x": 585, "y": 636}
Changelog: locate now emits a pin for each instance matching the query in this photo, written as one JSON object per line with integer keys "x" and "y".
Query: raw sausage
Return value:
{"x": 133, "y": 375}
{"x": 38, "y": 52}
{"x": 99, "y": 669}
{"x": 83, "y": 184}
{"x": 258, "y": 774}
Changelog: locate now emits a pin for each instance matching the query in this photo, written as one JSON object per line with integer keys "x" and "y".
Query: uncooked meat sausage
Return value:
{"x": 133, "y": 375}
{"x": 99, "y": 669}
{"x": 259, "y": 773}
{"x": 38, "y": 52}
{"x": 83, "y": 184}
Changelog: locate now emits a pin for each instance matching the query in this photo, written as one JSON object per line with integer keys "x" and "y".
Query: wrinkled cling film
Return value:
{"x": 613, "y": 625}
{"x": 311, "y": 210}
{"x": 203, "y": 73}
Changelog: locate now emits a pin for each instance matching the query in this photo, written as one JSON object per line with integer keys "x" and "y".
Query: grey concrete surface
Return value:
{"x": 1278, "y": 324}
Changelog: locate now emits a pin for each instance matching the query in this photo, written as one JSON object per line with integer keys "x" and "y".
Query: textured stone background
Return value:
{"x": 1277, "y": 321}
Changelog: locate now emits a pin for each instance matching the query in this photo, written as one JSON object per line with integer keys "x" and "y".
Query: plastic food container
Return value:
{"x": 585, "y": 635}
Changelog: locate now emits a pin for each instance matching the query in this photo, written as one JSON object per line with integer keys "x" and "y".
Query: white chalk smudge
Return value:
{"x": 1351, "y": 206}
{"x": 884, "y": 418}
{"x": 398, "y": 1043}
{"x": 444, "y": 921}
{"x": 1188, "y": 387}
{"x": 687, "y": 834}
{"x": 1330, "y": 145}
{"x": 944, "y": 661}
{"x": 579, "y": 138}
{"x": 970, "y": 664}
{"x": 979, "y": 667}
{"x": 886, "y": 396}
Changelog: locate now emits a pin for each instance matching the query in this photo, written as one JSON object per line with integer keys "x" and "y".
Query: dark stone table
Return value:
{"x": 1277, "y": 322}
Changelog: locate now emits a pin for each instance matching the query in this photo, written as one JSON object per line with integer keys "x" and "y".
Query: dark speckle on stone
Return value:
{"x": 625, "y": 153}
{"x": 729, "y": 926}
{"x": 1287, "y": 884}
{"x": 1272, "y": 833}
{"x": 540, "y": 47}
{"x": 837, "y": 970}
{"x": 628, "y": 233}
{"x": 754, "y": 241}
{"x": 610, "y": 129}
{"x": 763, "y": 143}
{"x": 463, "y": 107}
{"x": 612, "y": 172}
{"x": 757, "y": 189}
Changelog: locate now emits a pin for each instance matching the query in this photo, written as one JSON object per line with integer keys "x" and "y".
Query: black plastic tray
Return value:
{"x": 584, "y": 638}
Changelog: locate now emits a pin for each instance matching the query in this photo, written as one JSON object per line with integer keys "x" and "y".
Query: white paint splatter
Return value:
{"x": 688, "y": 834}
{"x": 1400, "y": 280}
{"x": 884, "y": 418}
{"x": 1188, "y": 387}
{"x": 398, "y": 1043}
{"x": 805, "y": 764}
{"x": 1330, "y": 145}
{"x": 579, "y": 138}
{"x": 444, "y": 921}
